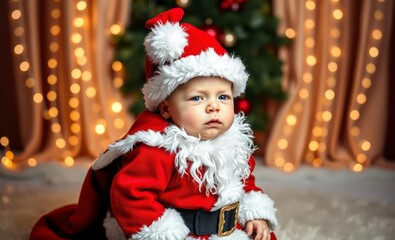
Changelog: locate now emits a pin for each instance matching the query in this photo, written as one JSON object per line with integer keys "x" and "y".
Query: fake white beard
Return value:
{"x": 216, "y": 164}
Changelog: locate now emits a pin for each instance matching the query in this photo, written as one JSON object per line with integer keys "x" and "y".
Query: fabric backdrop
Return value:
{"x": 60, "y": 96}
{"x": 336, "y": 73}
{"x": 61, "y": 84}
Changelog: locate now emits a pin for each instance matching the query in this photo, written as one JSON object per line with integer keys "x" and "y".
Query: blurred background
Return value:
{"x": 320, "y": 91}
{"x": 320, "y": 100}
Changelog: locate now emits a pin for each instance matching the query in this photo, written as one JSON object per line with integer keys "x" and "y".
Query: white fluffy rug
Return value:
{"x": 312, "y": 203}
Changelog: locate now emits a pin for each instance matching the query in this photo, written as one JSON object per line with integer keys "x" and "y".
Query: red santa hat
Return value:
{"x": 178, "y": 52}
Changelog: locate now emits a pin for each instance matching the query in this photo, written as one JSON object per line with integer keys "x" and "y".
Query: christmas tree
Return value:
{"x": 246, "y": 28}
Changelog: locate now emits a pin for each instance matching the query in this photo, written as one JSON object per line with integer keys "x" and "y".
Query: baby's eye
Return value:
{"x": 196, "y": 98}
{"x": 223, "y": 97}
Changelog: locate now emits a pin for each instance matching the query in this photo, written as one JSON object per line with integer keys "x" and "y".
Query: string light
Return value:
{"x": 309, "y": 42}
{"x": 304, "y": 93}
{"x": 100, "y": 128}
{"x": 74, "y": 115}
{"x": 355, "y": 131}
{"x": 357, "y": 167}
{"x": 6, "y": 160}
{"x": 290, "y": 33}
{"x": 288, "y": 167}
{"x": 90, "y": 92}
{"x": 365, "y": 145}
{"x": 81, "y": 5}
{"x": 75, "y": 88}
{"x": 4, "y": 141}
{"x": 332, "y": 67}
{"x": 76, "y": 73}
{"x": 317, "y": 162}
{"x": 53, "y": 112}
{"x": 119, "y": 123}
{"x": 354, "y": 114}
{"x": 30, "y": 82}
{"x": 18, "y": 49}
{"x": 117, "y": 82}
{"x": 69, "y": 161}
{"x": 360, "y": 100}
{"x": 297, "y": 108}
{"x": 313, "y": 146}
{"x": 279, "y": 161}
{"x": 32, "y": 162}
{"x": 82, "y": 62}
{"x": 326, "y": 116}
{"x": 78, "y": 22}
{"x": 60, "y": 143}
{"x": 116, "y": 107}
{"x": 24, "y": 66}
{"x": 310, "y": 5}
{"x": 76, "y": 38}
{"x": 75, "y": 128}
{"x": 291, "y": 120}
{"x": 311, "y": 60}
{"x": 282, "y": 143}
{"x": 377, "y": 34}
{"x": 116, "y": 29}
{"x": 55, "y": 127}
{"x": 316, "y": 146}
{"x": 337, "y": 14}
{"x": 361, "y": 158}
{"x": 322, "y": 147}
{"x": 73, "y": 140}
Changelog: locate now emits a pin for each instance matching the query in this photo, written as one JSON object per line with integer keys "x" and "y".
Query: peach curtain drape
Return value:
{"x": 336, "y": 75}
{"x": 65, "y": 88}
{"x": 64, "y": 101}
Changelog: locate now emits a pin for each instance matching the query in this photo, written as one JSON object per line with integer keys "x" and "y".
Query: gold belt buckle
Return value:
{"x": 221, "y": 223}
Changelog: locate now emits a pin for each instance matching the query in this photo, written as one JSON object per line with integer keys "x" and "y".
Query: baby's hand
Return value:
{"x": 258, "y": 229}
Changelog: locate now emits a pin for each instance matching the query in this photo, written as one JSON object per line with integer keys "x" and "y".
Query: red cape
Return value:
{"x": 84, "y": 220}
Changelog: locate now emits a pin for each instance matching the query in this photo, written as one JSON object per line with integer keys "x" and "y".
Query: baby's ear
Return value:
{"x": 164, "y": 109}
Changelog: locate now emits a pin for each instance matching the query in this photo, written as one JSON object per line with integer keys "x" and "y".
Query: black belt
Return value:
{"x": 222, "y": 222}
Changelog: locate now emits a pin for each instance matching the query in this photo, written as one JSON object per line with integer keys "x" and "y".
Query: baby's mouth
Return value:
{"x": 213, "y": 122}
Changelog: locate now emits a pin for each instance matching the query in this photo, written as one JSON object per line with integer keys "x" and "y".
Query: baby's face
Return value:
{"x": 203, "y": 107}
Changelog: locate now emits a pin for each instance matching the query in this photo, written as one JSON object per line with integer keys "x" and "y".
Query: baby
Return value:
{"x": 184, "y": 170}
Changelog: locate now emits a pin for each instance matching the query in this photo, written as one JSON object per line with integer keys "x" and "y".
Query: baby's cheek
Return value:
{"x": 191, "y": 125}
{"x": 191, "y": 118}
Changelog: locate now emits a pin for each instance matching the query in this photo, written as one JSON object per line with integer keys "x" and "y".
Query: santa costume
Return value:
{"x": 158, "y": 182}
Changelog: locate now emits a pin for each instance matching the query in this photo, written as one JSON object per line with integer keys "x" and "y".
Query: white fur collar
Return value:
{"x": 222, "y": 158}
{"x": 219, "y": 176}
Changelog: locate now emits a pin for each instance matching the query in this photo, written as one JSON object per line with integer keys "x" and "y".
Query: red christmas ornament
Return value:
{"x": 233, "y": 5}
{"x": 243, "y": 105}
{"x": 213, "y": 31}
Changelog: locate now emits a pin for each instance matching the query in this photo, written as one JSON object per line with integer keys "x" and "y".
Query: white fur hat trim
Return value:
{"x": 208, "y": 63}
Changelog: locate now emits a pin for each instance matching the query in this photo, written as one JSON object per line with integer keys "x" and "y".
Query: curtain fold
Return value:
{"x": 62, "y": 56}
{"x": 67, "y": 104}
{"x": 336, "y": 74}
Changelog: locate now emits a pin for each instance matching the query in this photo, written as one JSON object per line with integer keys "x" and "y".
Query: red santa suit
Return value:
{"x": 169, "y": 170}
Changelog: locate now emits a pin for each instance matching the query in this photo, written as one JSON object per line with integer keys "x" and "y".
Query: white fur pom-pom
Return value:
{"x": 166, "y": 42}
